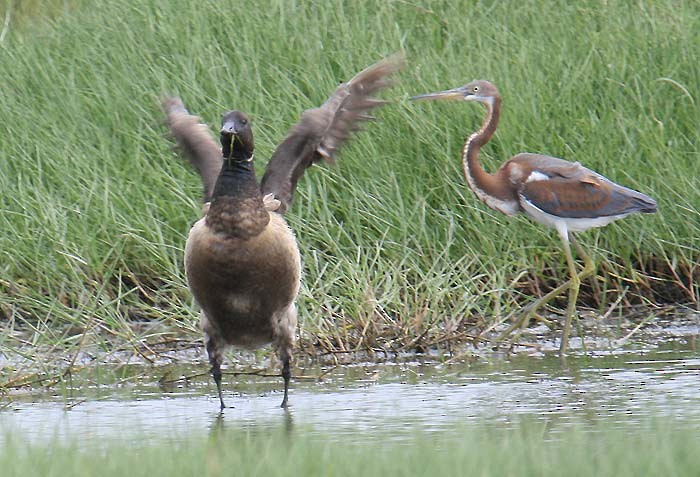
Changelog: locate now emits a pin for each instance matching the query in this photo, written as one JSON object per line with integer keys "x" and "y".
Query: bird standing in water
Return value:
{"x": 241, "y": 259}
{"x": 551, "y": 191}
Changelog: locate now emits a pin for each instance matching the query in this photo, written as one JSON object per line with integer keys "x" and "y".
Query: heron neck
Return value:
{"x": 493, "y": 189}
{"x": 488, "y": 127}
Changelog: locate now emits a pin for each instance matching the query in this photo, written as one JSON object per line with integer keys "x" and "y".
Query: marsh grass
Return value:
{"x": 528, "y": 449}
{"x": 397, "y": 252}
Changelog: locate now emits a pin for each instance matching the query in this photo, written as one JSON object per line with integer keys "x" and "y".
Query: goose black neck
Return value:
{"x": 237, "y": 176}
{"x": 236, "y": 149}
{"x": 236, "y": 180}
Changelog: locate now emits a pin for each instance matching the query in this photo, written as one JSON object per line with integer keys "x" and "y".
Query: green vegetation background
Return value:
{"x": 95, "y": 204}
{"x": 526, "y": 449}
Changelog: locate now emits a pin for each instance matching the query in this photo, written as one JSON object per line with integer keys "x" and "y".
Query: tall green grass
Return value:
{"x": 95, "y": 205}
{"x": 525, "y": 451}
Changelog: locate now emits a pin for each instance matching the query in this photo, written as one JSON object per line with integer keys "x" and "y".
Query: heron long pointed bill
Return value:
{"x": 454, "y": 93}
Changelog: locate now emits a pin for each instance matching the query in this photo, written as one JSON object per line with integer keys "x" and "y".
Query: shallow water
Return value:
{"x": 657, "y": 377}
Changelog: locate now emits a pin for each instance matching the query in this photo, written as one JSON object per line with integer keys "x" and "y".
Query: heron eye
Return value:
{"x": 476, "y": 88}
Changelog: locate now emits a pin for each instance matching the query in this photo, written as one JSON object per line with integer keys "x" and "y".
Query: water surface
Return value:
{"x": 357, "y": 402}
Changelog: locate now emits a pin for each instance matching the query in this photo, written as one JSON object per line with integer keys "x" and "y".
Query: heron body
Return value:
{"x": 551, "y": 191}
{"x": 242, "y": 260}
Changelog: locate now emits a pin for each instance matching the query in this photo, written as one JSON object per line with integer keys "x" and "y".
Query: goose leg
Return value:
{"x": 284, "y": 326}
{"x": 286, "y": 375}
{"x": 215, "y": 359}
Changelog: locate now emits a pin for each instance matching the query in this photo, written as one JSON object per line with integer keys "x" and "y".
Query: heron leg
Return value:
{"x": 215, "y": 359}
{"x": 588, "y": 265}
{"x": 573, "y": 293}
{"x": 531, "y": 310}
{"x": 587, "y": 271}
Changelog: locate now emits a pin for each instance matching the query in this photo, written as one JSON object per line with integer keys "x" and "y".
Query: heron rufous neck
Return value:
{"x": 493, "y": 189}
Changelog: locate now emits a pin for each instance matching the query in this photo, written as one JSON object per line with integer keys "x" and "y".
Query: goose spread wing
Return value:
{"x": 322, "y": 131}
{"x": 196, "y": 141}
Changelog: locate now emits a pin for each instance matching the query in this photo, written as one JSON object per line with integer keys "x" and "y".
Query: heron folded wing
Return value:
{"x": 568, "y": 198}
{"x": 548, "y": 166}
{"x": 588, "y": 196}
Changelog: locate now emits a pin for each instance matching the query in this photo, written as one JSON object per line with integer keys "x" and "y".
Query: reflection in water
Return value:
{"x": 372, "y": 401}
{"x": 216, "y": 430}
{"x": 219, "y": 425}
{"x": 288, "y": 422}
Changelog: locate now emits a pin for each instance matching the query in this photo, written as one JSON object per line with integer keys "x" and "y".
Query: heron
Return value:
{"x": 551, "y": 191}
{"x": 242, "y": 260}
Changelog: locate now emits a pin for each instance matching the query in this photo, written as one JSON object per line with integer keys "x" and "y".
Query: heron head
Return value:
{"x": 479, "y": 90}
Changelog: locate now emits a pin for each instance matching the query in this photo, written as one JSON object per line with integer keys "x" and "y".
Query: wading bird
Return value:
{"x": 551, "y": 191}
{"x": 242, "y": 261}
